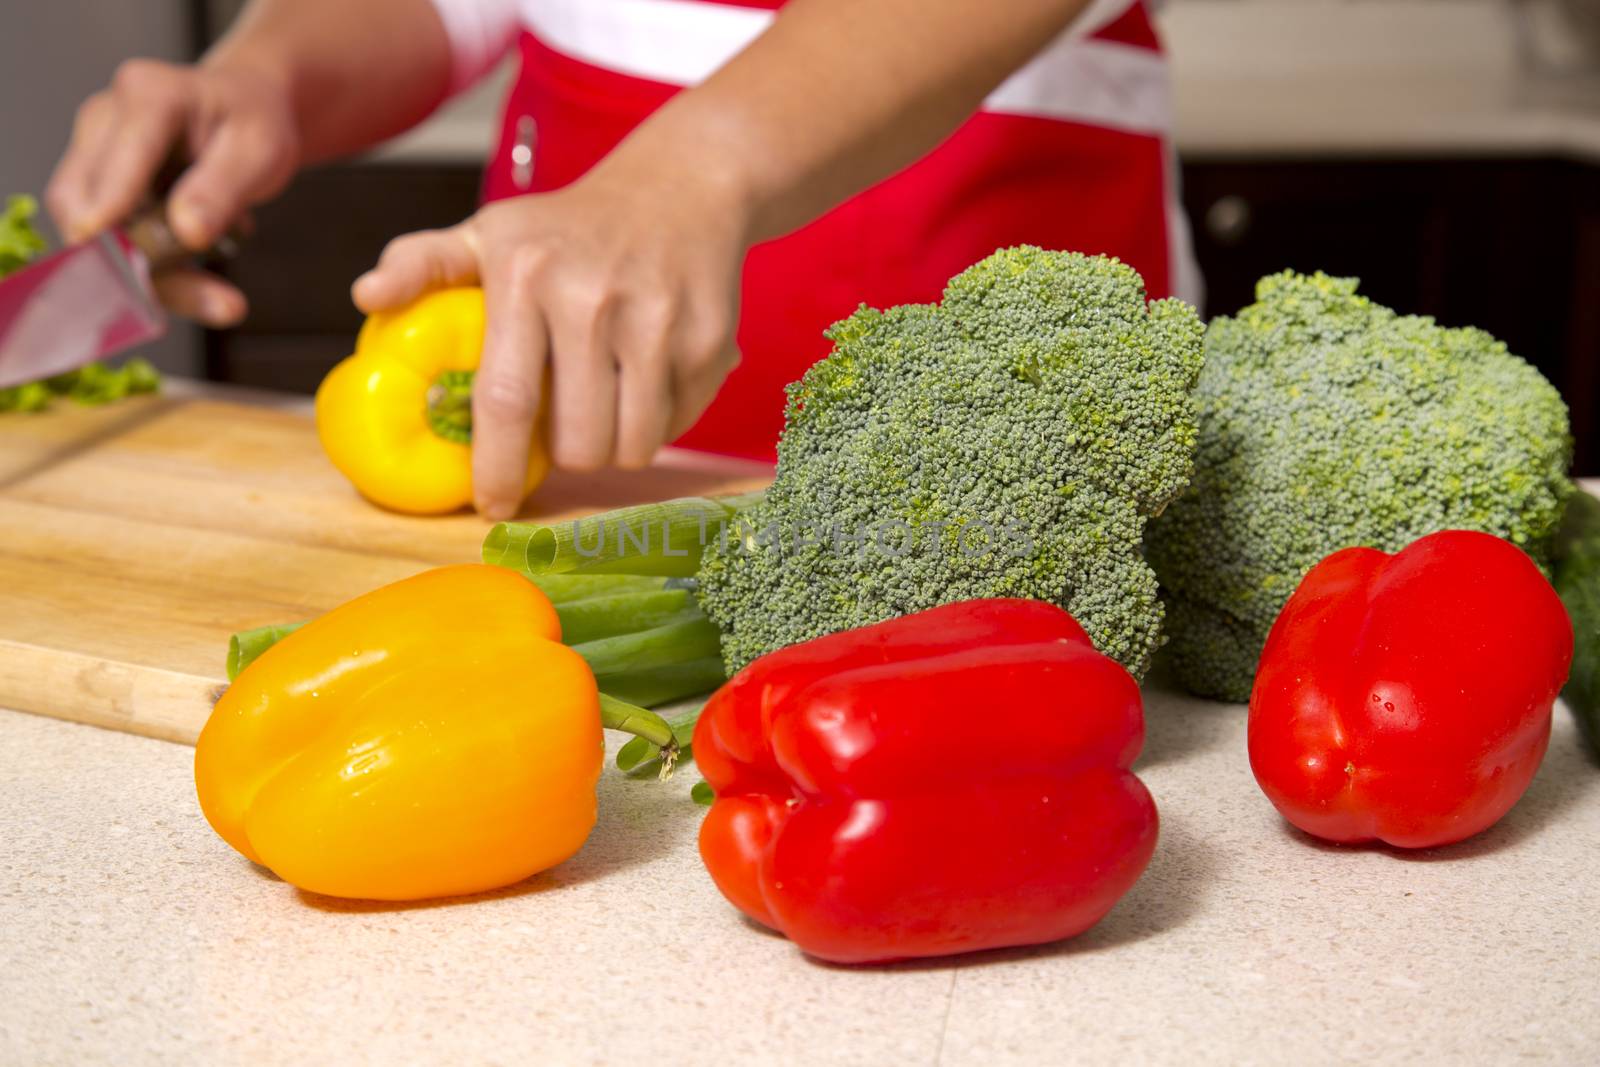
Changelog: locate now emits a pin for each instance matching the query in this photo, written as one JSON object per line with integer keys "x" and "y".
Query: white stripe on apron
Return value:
{"x": 682, "y": 42}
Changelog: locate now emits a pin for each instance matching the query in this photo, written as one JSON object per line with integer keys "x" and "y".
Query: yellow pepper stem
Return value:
{"x": 450, "y": 406}
{"x": 619, "y": 715}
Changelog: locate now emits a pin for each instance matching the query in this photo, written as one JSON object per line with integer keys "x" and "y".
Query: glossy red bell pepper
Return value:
{"x": 944, "y": 782}
{"x": 1407, "y": 698}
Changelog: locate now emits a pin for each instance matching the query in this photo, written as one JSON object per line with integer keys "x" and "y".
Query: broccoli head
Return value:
{"x": 1009, "y": 441}
{"x": 1326, "y": 421}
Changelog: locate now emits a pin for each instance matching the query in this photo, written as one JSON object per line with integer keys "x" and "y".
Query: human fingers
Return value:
{"x": 580, "y": 304}
{"x": 201, "y": 296}
{"x": 152, "y": 102}
{"x": 67, "y": 194}
{"x": 642, "y": 341}
{"x": 507, "y": 389}
{"x": 415, "y": 263}
{"x": 246, "y": 160}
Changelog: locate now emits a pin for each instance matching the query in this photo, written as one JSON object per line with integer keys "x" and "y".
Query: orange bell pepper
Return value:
{"x": 431, "y": 738}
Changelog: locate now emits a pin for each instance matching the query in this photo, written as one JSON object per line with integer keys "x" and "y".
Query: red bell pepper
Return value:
{"x": 1407, "y": 698}
{"x": 944, "y": 782}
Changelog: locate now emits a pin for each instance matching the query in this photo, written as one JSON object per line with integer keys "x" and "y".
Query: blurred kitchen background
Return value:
{"x": 1445, "y": 151}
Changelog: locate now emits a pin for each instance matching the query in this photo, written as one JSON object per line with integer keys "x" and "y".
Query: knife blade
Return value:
{"x": 81, "y": 304}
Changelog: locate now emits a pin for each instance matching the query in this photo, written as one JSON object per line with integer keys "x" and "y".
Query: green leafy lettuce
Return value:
{"x": 20, "y": 242}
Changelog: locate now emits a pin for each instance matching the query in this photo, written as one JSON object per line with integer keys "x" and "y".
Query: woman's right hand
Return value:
{"x": 235, "y": 128}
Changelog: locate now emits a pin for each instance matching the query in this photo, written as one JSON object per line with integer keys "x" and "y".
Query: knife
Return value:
{"x": 86, "y": 302}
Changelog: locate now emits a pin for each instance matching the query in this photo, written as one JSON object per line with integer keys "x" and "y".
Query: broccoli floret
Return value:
{"x": 1010, "y": 441}
{"x": 1327, "y": 420}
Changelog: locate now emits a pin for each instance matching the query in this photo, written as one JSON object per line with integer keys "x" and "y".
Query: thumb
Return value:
{"x": 415, "y": 263}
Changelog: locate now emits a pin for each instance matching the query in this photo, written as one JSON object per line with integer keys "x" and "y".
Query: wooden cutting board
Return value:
{"x": 135, "y": 538}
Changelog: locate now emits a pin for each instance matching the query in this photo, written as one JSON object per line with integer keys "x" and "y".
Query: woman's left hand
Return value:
{"x": 611, "y": 305}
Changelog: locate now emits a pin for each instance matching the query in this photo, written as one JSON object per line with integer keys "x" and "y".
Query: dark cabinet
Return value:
{"x": 1510, "y": 245}
{"x": 307, "y": 247}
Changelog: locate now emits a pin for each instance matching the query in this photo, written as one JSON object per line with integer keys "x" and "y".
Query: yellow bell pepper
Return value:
{"x": 396, "y": 417}
{"x": 431, "y": 738}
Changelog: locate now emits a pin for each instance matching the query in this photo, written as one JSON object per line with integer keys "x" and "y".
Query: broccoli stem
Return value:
{"x": 665, "y": 539}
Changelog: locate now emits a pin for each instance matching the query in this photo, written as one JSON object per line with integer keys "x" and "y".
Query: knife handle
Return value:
{"x": 152, "y": 235}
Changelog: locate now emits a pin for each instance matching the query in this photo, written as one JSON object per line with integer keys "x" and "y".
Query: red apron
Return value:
{"x": 1003, "y": 178}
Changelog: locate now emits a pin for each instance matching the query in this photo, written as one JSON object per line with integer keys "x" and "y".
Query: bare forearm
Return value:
{"x": 356, "y": 71}
{"x": 839, "y": 94}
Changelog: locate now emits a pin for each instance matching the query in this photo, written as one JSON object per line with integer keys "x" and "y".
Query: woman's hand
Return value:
{"x": 293, "y": 82}
{"x": 235, "y": 124}
{"x": 618, "y": 295}
{"x": 611, "y": 308}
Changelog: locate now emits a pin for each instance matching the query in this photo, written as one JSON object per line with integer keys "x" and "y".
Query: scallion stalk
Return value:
{"x": 645, "y": 726}
{"x": 615, "y": 714}
{"x": 639, "y": 755}
{"x": 652, "y": 649}
{"x": 596, "y": 617}
{"x": 668, "y": 662}
{"x": 666, "y": 538}
{"x": 679, "y": 681}
{"x": 565, "y": 588}
{"x": 246, "y": 645}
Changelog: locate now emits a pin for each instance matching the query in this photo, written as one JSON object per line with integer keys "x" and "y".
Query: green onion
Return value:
{"x": 245, "y": 646}
{"x": 639, "y": 755}
{"x": 663, "y": 685}
{"x": 645, "y": 725}
{"x": 564, "y": 588}
{"x": 659, "y": 664}
{"x": 607, "y": 616}
{"x": 649, "y": 650}
{"x": 665, "y": 538}
{"x": 656, "y": 665}
{"x": 622, "y": 585}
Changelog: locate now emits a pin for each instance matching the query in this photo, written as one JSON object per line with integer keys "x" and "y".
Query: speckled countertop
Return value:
{"x": 129, "y": 933}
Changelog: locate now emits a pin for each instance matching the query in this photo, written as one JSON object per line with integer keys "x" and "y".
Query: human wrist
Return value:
{"x": 256, "y": 60}
{"x": 698, "y": 158}
{"x": 269, "y": 72}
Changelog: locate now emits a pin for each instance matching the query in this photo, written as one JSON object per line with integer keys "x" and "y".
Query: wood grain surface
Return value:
{"x": 135, "y": 538}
